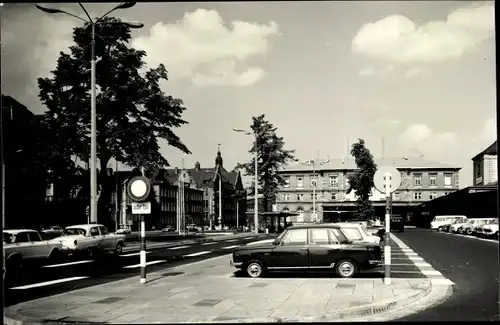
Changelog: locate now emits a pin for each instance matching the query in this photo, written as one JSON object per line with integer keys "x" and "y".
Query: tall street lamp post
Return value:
{"x": 93, "y": 113}
{"x": 256, "y": 180}
{"x": 314, "y": 164}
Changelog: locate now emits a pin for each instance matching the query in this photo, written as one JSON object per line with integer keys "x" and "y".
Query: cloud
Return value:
{"x": 386, "y": 121}
{"x": 368, "y": 71}
{"x": 202, "y": 48}
{"x": 489, "y": 131}
{"x": 412, "y": 72}
{"x": 398, "y": 38}
{"x": 422, "y": 139}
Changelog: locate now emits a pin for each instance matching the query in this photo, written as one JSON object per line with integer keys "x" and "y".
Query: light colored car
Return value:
{"x": 439, "y": 222}
{"x": 52, "y": 231}
{"x": 471, "y": 224}
{"x": 490, "y": 229}
{"x": 356, "y": 232}
{"x": 26, "y": 245}
{"x": 124, "y": 231}
{"x": 89, "y": 239}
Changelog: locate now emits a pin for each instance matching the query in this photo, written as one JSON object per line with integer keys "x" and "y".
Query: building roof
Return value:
{"x": 349, "y": 164}
{"x": 491, "y": 150}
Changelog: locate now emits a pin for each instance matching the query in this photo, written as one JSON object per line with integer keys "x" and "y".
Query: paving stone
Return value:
{"x": 207, "y": 303}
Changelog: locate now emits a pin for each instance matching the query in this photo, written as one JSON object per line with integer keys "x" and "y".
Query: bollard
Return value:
{"x": 387, "y": 250}
{"x": 143, "y": 250}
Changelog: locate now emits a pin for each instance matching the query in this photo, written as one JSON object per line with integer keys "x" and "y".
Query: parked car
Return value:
{"x": 468, "y": 226}
{"x": 51, "y": 232}
{"x": 356, "y": 232}
{"x": 446, "y": 227}
{"x": 123, "y": 231}
{"x": 22, "y": 246}
{"x": 491, "y": 229}
{"x": 89, "y": 239}
{"x": 168, "y": 229}
{"x": 308, "y": 247}
{"x": 439, "y": 221}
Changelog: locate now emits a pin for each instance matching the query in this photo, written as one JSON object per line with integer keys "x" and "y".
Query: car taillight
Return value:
{"x": 74, "y": 242}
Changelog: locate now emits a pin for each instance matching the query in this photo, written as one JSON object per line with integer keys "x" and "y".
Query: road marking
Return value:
{"x": 133, "y": 254}
{"x": 180, "y": 247}
{"x": 230, "y": 247}
{"x": 147, "y": 263}
{"x": 204, "y": 244}
{"x": 424, "y": 267}
{"x": 402, "y": 264}
{"x": 48, "y": 283}
{"x": 69, "y": 263}
{"x": 198, "y": 254}
{"x": 231, "y": 240}
{"x": 430, "y": 272}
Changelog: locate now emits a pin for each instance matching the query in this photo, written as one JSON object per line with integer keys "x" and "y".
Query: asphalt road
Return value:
{"x": 69, "y": 274}
{"x": 471, "y": 263}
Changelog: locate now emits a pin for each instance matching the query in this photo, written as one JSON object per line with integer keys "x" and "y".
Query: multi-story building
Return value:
{"x": 485, "y": 166}
{"x": 422, "y": 181}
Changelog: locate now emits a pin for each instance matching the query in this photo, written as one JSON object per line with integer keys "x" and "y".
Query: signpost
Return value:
{"x": 138, "y": 189}
{"x": 387, "y": 180}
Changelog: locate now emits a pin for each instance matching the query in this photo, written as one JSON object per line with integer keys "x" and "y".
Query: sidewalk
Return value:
{"x": 208, "y": 291}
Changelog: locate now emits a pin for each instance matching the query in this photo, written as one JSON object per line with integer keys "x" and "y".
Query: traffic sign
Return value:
{"x": 138, "y": 188}
{"x": 394, "y": 179}
{"x": 141, "y": 207}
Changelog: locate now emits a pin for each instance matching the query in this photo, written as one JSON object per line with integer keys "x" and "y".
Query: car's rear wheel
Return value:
{"x": 468, "y": 231}
{"x": 55, "y": 256}
{"x": 255, "y": 269}
{"x": 440, "y": 228}
{"x": 345, "y": 268}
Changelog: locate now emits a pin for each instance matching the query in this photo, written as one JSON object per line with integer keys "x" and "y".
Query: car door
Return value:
{"x": 292, "y": 252}
{"x": 107, "y": 240}
{"x": 95, "y": 237}
{"x": 23, "y": 245}
{"x": 324, "y": 249}
{"x": 39, "y": 248}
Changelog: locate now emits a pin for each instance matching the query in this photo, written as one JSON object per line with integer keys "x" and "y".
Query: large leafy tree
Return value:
{"x": 272, "y": 156}
{"x": 361, "y": 181}
{"x": 132, "y": 110}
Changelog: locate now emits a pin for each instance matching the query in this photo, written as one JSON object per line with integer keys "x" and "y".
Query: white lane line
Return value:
{"x": 147, "y": 263}
{"x": 402, "y": 264}
{"x": 430, "y": 272}
{"x": 423, "y": 264}
{"x": 48, "y": 283}
{"x": 232, "y": 240}
{"x": 415, "y": 258}
{"x": 133, "y": 254}
{"x": 198, "y": 254}
{"x": 230, "y": 247}
{"x": 69, "y": 263}
{"x": 204, "y": 244}
{"x": 180, "y": 247}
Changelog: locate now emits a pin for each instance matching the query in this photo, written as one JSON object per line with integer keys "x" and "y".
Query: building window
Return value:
{"x": 339, "y": 196}
{"x": 447, "y": 179}
{"x": 433, "y": 195}
{"x": 346, "y": 181}
{"x": 397, "y": 196}
{"x": 314, "y": 181}
{"x": 286, "y": 179}
{"x": 333, "y": 181}
{"x": 300, "y": 197}
{"x": 417, "y": 179}
{"x": 286, "y": 210}
{"x": 315, "y": 196}
{"x": 432, "y": 179}
{"x": 300, "y": 181}
{"x": 457, "y": 180}
{"x": 286, "y": 197}
{"x": 417, "y": 196}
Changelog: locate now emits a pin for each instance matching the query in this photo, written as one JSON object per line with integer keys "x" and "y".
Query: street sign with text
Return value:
{"x": 141, "y": 207}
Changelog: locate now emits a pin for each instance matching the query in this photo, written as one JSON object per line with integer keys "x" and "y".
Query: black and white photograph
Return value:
{"x": 249, "y": 162}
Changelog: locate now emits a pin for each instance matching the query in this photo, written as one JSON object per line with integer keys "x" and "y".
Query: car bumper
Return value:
{"x": 235, "y": 264}
{"x": 375, "y": 262}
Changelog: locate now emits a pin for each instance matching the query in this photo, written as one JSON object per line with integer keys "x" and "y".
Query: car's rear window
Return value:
{"x": 73, "y": 231}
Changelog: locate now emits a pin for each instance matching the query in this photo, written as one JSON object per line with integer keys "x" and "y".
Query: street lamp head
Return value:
{"x": 48, "y": 9}
{"x": 133, "y": 25}
{"x": 125, "y": 5}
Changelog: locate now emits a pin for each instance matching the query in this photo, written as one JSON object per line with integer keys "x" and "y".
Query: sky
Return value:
{"x": 411, "y": 78}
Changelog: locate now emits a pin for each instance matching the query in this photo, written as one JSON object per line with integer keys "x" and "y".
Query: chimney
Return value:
{"x": 197, "y": 166}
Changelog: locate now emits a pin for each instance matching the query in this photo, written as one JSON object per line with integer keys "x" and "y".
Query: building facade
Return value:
{"x": 422, "y": 181}
{"x": 485, "y": 170}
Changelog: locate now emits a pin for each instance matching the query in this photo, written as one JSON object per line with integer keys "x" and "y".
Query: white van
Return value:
{"x": 439, "y": 221}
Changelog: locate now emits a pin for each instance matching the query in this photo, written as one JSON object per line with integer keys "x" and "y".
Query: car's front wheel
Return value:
{"x": 345, "y": 268}
{"x": 468, "y": 231}
{"x": 255, "y": 269}
{"x": 119, "y": 248}
{"x": 440, "y": 228}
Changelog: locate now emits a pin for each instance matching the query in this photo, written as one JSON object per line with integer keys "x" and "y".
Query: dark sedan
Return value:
{"x": 317, "y": 247}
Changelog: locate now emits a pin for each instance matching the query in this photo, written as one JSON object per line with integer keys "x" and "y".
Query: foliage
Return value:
{"x": 272, "y": 156}
{"x": 361, "y": 181}
{"x": 133, "y": 113}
